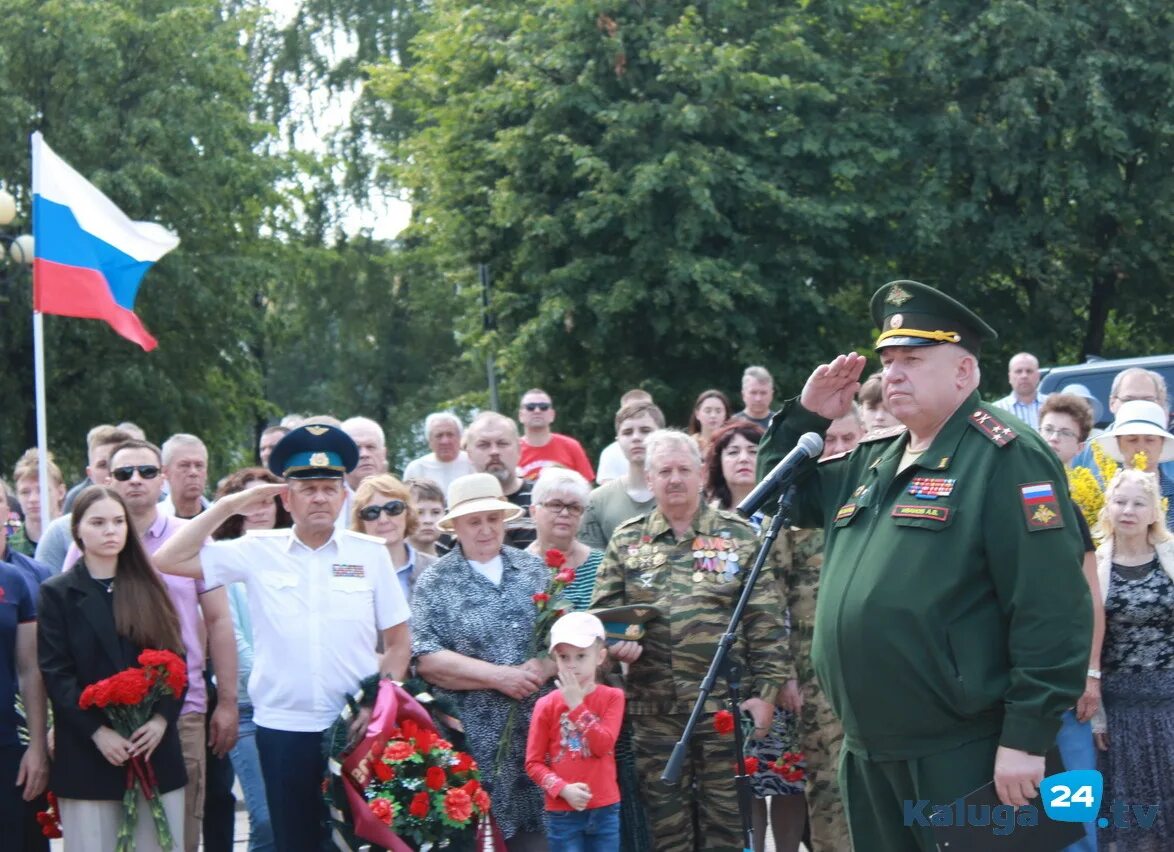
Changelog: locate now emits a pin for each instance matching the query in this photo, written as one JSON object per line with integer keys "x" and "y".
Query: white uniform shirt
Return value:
{"x": 314, "y": 615}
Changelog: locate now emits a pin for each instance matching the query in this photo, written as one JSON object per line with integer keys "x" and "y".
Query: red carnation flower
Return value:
{"x": 723, "y": 721}
{"x": 173, "y": 664}
{"x": 481, "y": 800}
{"x": 458, "y": 805}
{"x": 567, "y": 575}
{"x": 398, "y": 750}
{"x": 794, "y": 775}
{"x": 555, "y": 558}
{"x": 471, "y": 786}
{"x": 410, "y": 729}
{"x": 540, "y": 599}
{"x": 443, "y": 743}
{"x": 465, "y": 762}
{"x": 434, "y": 778}
{"x": 751, "y": 765}
{"x": 425, "y": 741}
{"x": 382, "y": 810}
{"x": 420, "y": 805}
{"x": 383, "y": 772}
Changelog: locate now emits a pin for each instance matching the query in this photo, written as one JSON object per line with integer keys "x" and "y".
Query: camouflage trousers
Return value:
{"x": 820, "y": 736}
{"x": 701, "y": 813}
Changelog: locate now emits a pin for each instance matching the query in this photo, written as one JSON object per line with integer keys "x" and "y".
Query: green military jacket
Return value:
{"x": 646, "y": 563}
{"x": 952, "y": 604}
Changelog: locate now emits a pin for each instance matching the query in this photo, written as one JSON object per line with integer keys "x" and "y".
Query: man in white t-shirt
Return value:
{"x": 317, "y": 595}
{"x": 447, "y": 461}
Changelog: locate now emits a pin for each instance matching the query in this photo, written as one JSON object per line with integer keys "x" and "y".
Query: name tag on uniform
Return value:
{"x": 922, "y": 513}
{"x": 338, "y": 570}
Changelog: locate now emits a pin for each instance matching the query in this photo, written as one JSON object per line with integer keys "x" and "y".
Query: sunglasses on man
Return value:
{"x": 146, "y": 471}
{"x": 392, "y": 507}
{"x": 537, "y": 406}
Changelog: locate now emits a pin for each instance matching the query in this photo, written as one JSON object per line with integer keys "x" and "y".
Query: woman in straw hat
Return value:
{"x": 473, "y": 617}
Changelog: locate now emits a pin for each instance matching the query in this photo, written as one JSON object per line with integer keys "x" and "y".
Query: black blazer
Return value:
{"x": 77, "y": 645}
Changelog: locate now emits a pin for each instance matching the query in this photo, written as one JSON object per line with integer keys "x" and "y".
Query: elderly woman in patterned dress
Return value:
{"x": 472, "y": 621}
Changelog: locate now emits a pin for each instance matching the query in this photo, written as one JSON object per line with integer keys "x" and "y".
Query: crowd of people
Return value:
{"x": 967, "y": 619}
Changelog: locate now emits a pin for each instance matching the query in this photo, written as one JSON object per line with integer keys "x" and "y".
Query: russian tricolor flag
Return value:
{"x": 90, "y": 258}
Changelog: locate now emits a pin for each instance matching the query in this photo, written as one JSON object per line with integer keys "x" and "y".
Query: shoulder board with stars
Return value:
{"x": 883, "y": 434}
{"x": 995, "y": 429}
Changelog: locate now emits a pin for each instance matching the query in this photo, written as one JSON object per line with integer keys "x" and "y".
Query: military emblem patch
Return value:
{"x": 1041, "y": 510}
{"x": 898, "y": 295}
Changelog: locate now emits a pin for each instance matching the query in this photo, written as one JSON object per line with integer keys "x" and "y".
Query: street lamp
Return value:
{"x": 20, "y": 248}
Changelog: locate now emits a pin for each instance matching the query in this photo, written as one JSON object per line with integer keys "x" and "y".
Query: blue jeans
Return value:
{"x": 1078, "y": 752}
{"x": 590, "y": 830}
{"x": 247, "y": 765}
{"x": 292, "y": 766}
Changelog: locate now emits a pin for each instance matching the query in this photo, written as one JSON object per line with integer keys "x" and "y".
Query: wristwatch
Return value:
{"x": 1095, "y": 673}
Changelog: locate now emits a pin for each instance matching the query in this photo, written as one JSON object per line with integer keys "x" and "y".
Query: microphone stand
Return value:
{"x": 731, "y": 672}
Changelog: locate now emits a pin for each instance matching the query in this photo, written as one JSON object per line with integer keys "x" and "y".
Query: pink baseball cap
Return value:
{"x": 581, "y": 629}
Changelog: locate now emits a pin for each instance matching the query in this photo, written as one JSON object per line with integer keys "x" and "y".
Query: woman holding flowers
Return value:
{"x": 93, "y": 622}
{"x": 557, "y": 505}
{"x": 473, "y": 638}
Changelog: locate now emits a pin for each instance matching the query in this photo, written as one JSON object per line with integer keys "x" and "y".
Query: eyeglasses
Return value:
{"x": 146, "y": 471}
{"x": 392, "y": 507}
{"x": 1053, "y": 432}
{"x": 557, "y": 507}
{"x": 537, "y": 406}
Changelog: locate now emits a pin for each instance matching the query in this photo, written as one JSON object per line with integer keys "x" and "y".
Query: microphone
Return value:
{"x": 809, "y": 447}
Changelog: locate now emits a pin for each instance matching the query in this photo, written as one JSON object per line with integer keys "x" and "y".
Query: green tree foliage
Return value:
{"x": 153, "y": 102}
{"x": 1039, "y": 141}
{"x": 663, "y": 193}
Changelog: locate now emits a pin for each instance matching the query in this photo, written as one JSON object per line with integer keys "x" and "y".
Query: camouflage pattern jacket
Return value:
{"x": 695, "y": 581}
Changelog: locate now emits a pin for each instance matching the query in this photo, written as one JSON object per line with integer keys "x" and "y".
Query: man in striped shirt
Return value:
{"x": 1025, "y": 400}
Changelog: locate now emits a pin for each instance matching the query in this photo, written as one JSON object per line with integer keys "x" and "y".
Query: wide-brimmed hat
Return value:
{"x": 1138, "y": 417}
{"x": 476, "y": 492}
{"x": 1098, "y": 410}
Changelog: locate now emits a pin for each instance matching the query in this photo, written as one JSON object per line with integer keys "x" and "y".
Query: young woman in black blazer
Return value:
{"x": 92, "y": 622}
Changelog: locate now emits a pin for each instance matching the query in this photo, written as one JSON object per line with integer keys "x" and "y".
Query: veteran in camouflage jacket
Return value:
{"x": 690, "y": 561}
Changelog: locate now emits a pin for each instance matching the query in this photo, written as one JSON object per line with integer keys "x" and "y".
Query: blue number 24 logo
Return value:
{"x": 1073, "y": 796}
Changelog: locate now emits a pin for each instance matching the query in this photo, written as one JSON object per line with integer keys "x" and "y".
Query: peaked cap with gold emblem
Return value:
{"x": 909, "y": 313}
{"x": 314, "y": 451}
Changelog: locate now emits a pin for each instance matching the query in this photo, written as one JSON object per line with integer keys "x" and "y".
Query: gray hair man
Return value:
{"x": 447, "y": 461}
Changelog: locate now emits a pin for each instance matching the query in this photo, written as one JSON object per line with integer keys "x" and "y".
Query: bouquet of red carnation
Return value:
{"x": 791, "y": 765}
{"x": 50, "y": 818}
{"x": 128, "y": 700}
{"x": 409, "y": 788}
{"x": 552, "y": 605}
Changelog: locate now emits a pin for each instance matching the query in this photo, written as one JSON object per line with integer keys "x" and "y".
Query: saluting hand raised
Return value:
{"x": 832, "y": 387}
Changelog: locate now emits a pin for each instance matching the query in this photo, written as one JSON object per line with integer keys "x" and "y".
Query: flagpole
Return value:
{"x": 39, "y": 358}
{"x": 42, "y": 424}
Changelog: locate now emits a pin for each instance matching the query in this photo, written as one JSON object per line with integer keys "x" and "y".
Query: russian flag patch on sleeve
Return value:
{"x": 1041, "y": 509}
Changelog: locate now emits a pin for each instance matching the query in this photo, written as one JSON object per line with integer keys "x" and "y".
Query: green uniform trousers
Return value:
{"x": 700, "y": 814}
{"x": 875, "y": 792}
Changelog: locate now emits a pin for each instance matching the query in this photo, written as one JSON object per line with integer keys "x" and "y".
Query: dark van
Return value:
{"x": 1097, "y": 376}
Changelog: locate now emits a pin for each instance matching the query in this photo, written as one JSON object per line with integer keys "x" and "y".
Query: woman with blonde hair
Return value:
{"x": 382, "y": 507}
{"x": 1135, "y": 566}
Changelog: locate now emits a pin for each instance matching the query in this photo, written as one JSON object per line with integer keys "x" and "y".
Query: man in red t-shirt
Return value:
{"x": 542, "y": 447}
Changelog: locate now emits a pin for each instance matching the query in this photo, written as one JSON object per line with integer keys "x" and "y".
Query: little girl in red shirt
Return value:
{"x": 570, "y": 752}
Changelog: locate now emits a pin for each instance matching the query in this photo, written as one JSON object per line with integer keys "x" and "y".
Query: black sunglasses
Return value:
{"x": 393, "y": 508}
{"x": 146, "y": 471}
{"x": 537, "y": 406}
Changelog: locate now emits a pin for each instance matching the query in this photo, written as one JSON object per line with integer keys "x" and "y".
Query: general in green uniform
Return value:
{"x": 690, "y": 561}
{"x": 953, "y": 623}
